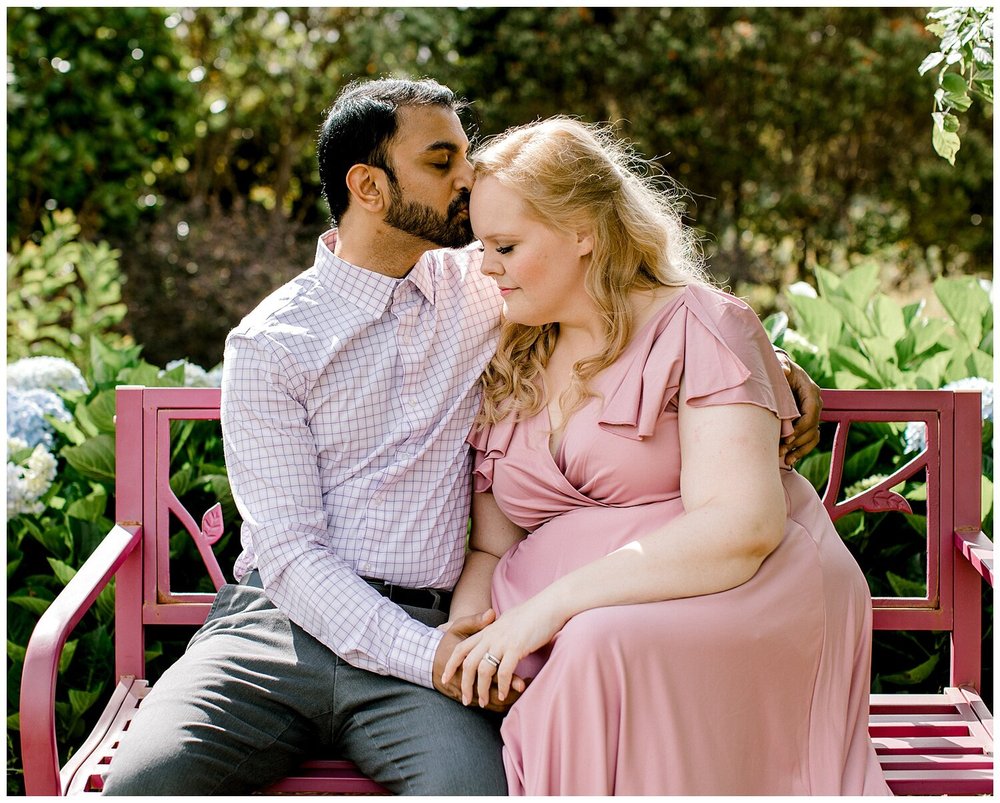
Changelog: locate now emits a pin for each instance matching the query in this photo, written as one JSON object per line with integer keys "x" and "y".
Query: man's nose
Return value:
{"x": 465, "y": 176}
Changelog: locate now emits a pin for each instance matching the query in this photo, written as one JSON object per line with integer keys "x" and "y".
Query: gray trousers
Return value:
{"x": 254, "y": 695}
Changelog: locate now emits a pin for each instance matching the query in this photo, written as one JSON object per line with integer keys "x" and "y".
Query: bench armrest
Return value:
{"x": 978, "y": 550}
{"x": 41, "y": 661}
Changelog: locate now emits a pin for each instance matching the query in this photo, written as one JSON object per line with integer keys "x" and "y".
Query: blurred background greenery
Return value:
{"x": 185, "y": 137}
{"x": 161, "y": 179}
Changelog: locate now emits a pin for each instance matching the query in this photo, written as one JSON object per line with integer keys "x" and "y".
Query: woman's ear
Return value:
{"x": 363, "y": 182}
{"x": 584, "y": 242}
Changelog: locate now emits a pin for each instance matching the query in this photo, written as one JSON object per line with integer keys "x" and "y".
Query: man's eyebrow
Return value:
{"x": 442, "y": 145}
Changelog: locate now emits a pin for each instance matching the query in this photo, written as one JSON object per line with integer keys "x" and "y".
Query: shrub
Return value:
{"x": 60, "y": 506}
{"x": 60, "y": 291}
{"x": 849, "y": 335}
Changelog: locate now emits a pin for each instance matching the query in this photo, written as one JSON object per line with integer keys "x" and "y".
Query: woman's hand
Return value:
{"x": 519, "y": 632}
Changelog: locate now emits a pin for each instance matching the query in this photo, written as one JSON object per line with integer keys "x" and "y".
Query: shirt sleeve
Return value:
{"x": 272, "y": 460}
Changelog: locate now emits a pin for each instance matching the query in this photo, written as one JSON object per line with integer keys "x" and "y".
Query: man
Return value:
{"x": 347, "y": 397}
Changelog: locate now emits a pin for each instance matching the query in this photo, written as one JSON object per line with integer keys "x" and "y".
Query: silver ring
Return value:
{"x": 492, "y": 659}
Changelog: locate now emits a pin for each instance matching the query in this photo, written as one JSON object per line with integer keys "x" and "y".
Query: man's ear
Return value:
{"x": 366, "y": 185}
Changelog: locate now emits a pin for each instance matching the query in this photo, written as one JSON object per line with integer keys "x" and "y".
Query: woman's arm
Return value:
{"x": 734, "y": 518}
{"x": 492, "y": 535}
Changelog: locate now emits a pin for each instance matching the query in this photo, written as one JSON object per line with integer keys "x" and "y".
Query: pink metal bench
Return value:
{"x": 928, "y": 743}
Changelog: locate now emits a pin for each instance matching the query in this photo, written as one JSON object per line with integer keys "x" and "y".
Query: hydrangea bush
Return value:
{"x": 60, "y": 488}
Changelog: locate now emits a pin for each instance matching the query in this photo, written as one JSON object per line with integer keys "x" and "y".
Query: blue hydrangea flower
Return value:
{"x": 50, "y": 373}
{"x": 26, "y": 411}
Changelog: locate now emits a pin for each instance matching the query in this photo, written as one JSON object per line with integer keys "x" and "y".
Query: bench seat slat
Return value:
{"x": 923, "y": 761}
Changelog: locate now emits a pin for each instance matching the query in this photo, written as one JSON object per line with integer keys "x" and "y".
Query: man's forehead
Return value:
{"x": 430, "y": 128}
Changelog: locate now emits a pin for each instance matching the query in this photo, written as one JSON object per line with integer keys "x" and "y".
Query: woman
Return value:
{"x": 689, "y": 617}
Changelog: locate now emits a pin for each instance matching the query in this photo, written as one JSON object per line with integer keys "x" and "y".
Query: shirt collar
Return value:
{"x": 366, "y": 289}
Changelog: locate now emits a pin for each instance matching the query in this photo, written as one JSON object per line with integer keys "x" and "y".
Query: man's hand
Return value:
{"x": 457, "y": 632}
{"x": 807, "y": 395}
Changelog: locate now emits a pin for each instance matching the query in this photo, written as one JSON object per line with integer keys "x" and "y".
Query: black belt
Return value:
{"x": 415, "y": 597}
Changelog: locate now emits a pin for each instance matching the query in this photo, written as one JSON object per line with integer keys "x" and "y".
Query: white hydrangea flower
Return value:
{"x": 980, "y": 384}
{"x": 48, "y": 373}
{"x": 915, "y": 436}
{"x": 195, "y": 376}
{"x": 28, "y": 482}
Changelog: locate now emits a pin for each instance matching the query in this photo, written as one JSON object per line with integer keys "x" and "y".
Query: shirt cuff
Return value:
{"x": 413, "y": 651}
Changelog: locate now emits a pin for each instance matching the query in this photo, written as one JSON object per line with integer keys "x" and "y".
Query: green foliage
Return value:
{"x": 45, "y": 550}
{"x": 61, "y": 291}
{"x": 849, "y": 335}
{"x": 965, "y": 68}
{"x": 94, "y": 98}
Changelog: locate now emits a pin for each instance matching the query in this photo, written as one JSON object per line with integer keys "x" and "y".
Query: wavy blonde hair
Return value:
{"x": 574, "y": 176}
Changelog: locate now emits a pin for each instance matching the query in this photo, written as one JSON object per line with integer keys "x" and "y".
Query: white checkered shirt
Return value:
{"x": 347, "y": 397}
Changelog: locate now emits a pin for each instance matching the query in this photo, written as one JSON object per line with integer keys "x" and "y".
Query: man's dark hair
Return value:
{"x": 362, "y": 122}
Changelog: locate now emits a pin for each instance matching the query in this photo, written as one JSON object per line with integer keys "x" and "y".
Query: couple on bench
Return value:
{"x": 650, "y": 601}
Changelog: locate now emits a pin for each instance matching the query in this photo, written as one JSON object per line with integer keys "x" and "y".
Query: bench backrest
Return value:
{"x": 950, "y": 464}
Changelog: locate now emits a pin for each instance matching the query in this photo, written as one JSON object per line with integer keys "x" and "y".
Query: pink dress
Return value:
{"x": 759, "y": 690}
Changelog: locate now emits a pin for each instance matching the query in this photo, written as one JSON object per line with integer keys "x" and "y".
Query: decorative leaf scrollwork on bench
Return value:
{"x": 885, "y": 500}
{"x": 212, "y": 525}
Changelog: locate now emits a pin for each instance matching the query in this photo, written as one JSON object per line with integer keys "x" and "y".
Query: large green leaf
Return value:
{"x": 95, "y": 458}
{"x": 101, "y": 410}
{"x": 90, "y": 507}
{"x": 968, "y": 305}
{"x": 819, "y": 320}
{"x": 846, "y": 358}
{"x": 854, "y": 316}
{"x": 861, "y": 283}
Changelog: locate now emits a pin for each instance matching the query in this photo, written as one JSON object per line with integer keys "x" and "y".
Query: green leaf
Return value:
{"x": 90, "y": 507}
{"x": 16, "y": 652}
{"x": 818, "y": 320}
{"x": 861, "y": 283}
{"x": 987, "y": 498}
{"x": 888, "y": 318}
{"x": 101, "y": 410}
{"x": 966, "y": 303}
{"x": 846, "y": 358}
{"x": 932, "y": 61}
{"x": 36, "y": 605}
{"x": 861, "y": 462}
{"x": 855, "y": 317}
{"x": 904, "y": 587}
{"x": 81, "y": 701}
{"x": 827, "y": 281}
{"x": 63, "y": 571}
{"x": 946, "y": 143}
{"x": 815, "y": 467}
{"x": 775, "y": 325}
{"x": 94, "y": 459}
{"x": 182, "y": 480}
{"x": 916, "y": 675}
{"x": 67, "y": 656}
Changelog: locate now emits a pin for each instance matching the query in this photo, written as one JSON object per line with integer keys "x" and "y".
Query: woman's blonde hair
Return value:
{"x": 574, "y": 176}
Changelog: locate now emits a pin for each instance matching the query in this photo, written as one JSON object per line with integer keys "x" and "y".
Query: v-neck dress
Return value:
{"x": 758, "y": 690}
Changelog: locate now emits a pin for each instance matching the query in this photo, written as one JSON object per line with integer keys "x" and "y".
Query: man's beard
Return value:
{"x": 447, "y": 230}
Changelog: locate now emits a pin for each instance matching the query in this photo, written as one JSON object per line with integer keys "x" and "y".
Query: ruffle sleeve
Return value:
{"x": 716, "y": 343}
{"x": 489, "y": 443}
